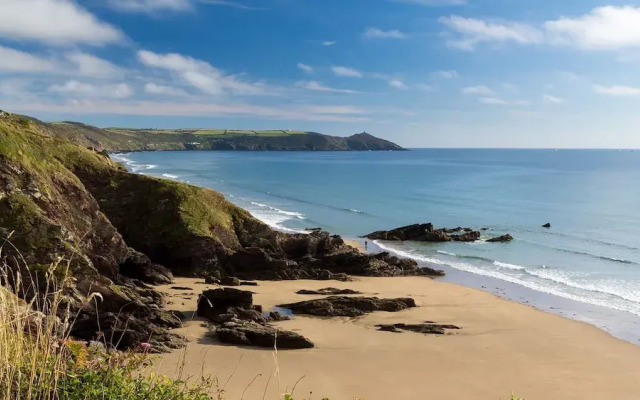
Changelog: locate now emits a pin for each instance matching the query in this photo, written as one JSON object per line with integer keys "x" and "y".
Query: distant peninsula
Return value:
{"x": 124, "y": 139}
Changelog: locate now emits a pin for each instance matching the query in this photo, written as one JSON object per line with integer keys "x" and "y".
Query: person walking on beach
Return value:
{"x": 365, "y": 245}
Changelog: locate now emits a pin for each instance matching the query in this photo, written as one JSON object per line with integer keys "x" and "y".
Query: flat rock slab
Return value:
{"x": 328, "y": 291}
{"x": 254, "y": 334}
{"x": 428, "y": 328}
{"x": 341, "y": 306}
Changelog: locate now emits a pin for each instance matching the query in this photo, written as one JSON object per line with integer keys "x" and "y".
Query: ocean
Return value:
{"x": 586, "y": 266}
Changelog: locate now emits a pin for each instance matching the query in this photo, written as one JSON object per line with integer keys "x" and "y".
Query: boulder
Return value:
{"x": 250, "y": 333}
{"x": 547, "y": 225}
{"x": 466, "y": 237}
{"x": 138, "y": 266}
{"x": 218, "y": 301}
{"x": 230, "y": 281}
{"x": 341, "y": 306}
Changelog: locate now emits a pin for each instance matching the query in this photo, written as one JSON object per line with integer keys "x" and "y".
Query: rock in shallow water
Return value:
{"x": 501, "y": 239}
{"x": 340, "y": 306}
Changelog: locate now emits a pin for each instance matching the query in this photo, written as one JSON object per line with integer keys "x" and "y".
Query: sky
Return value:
{"x": 422, "y": 73}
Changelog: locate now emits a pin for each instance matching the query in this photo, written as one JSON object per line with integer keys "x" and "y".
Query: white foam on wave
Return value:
{"x": 550, "y": 283}
{"x": 132, "y": 165}
{"x": 447, "y": 253}
{"x": 509, "y": 266}
{"x": 170, "y": 176}
{"x": 274, "y": 217}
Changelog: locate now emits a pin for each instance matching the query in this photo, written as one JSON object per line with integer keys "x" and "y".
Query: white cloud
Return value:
{"x": 154, "y": 88}
{"x": 425, "y": 87}
{"x": 617, "y": 90}
{"x": 82, "y": 89}
{"x": 200, "y": 74}
{"x": 346, "y": 72}
{"x": 547, "y": 98}
{"x": 377, "y": 33}
{"x": 317, "y": 86}
{"x": 60, "y": 22}
{"x": 470, "y": 32}
{"x": 328, "y": 43}
{"x": 305, "y": 67}
{"x": 446, "y": 74}
{"x": 17, "y": 61}
{"x": 606, "y": 27}
{"x": 92, "y": 66}
{"x": 479, "y": 90}
{"x": 397, "y": 84}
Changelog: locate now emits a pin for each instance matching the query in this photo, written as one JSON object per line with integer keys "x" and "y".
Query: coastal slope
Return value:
{"x": 122, "y": 139}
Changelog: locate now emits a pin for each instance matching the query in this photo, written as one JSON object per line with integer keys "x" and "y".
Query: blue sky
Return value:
{"x": 423, "y": 73}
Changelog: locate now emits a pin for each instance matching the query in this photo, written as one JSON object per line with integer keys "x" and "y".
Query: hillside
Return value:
{"x": 121, "y": 139}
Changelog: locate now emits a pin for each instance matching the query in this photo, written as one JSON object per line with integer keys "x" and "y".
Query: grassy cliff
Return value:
{"x": 122, "y": 139}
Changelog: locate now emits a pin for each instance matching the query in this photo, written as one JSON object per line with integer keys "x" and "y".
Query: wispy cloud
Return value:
{"x": 91, "y": 66}
{"x": 17, "y": 61}
{"x": 157, "y": 89}
{"x": 550, "y": 99}
{"x": 58, "y": 22}
{"x": 432, "y": 3}
{"x": 328, "y": 43}
{"x": 446, "y": 74}
{"x": 604, "y": 28}
{"x": 153, "y": 6}
{"x": 397, "y": 84}
{"x": 377, "y": 33}
{"x": 83, "y": 89}
{"x": 200, "y": 74}
{"x": 305, "y": 67}
{"x": 346, "y": 72}
{"x": 497, "y": 101}
{"x": 617, "y": 90}
{"x": 478, "y": 90}
{"x": 317, "y": 86}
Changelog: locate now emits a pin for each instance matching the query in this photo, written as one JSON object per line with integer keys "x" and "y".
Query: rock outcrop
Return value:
{"x": 427, "y": 233}
{"x": 340, "y": 306}
{"x": 501, "y": 239}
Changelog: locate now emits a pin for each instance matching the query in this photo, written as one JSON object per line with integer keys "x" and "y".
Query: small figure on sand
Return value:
{"x": 365, "y": 245}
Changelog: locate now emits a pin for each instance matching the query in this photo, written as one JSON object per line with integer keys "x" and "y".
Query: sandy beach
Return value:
{"x": 503, "y": 347}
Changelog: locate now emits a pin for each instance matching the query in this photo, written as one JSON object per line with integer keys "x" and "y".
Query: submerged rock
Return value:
{"x": 340, "y": 306}
{"x": 547, "y": 225}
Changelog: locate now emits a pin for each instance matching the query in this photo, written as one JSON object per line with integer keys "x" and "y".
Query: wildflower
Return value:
{"x": 145, "y": 346}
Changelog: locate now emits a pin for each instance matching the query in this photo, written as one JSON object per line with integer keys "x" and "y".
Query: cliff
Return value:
{"x": 63, "y": 206}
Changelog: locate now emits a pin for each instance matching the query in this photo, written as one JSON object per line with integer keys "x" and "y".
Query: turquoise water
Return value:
{"x": 592, "y": 199}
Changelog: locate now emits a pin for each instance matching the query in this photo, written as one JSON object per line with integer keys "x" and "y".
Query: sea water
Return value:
{"x": 590, "y": 255}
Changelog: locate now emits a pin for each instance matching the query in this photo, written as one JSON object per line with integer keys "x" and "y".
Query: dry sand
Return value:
{"x": 503, "y": 347}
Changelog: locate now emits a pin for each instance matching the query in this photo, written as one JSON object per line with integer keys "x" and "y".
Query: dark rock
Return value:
{"x": 230, "y": 281}
{"x": 215, "y": 302}
{"x": 250, "y": 333}
{"x": 211, "y": 280}
{"x": 340, "y": 306}
{"x": 501, "y": 239}
{"x": 180, "y": 288}
{"x": 277, "y": 316}
{"x": 426, "y": 328}
{"x": 328, "y": 291}
{"x": 467, "y": 237}
{"x": 138, "y": 266}
{"x": 248, "y": 283}
{"x": 547, "y": 225}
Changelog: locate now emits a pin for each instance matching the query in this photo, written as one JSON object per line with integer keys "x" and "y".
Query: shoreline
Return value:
{"x": 503, "y": 347}
{"x": 621, "y": 324}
